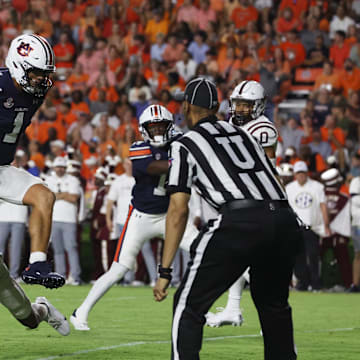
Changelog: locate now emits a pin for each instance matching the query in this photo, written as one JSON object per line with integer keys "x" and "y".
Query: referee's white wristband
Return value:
{"x": 37, "y": 256}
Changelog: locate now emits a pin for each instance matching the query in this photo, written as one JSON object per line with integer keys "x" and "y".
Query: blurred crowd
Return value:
{"x": 115, "y": 57}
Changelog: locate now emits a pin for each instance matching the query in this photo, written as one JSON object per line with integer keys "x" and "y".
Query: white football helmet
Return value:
{"x": 31, "y": 52}
{"x": 156, "y": 125}
{"x": 252, "y": 93}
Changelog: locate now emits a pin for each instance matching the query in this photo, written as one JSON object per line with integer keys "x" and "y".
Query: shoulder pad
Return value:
{"x": 263, "y": 130}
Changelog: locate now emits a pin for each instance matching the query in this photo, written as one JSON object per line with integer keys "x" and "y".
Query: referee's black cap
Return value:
{"x": 200, "y": 92}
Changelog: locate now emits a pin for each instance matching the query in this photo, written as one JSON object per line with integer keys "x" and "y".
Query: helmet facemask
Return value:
{"x": 241, "y": 111}
{"x": 158, "y": 133}
{"x": 32, "y": 84}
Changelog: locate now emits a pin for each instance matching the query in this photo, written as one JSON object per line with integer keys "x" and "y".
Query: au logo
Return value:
{"x": 9, "y": 103}
{"x": 24, "y": 49}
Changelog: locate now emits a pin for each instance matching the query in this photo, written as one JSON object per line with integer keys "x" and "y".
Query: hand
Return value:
{"x": 160, "y": 292}
{"x": 327, "y": 231}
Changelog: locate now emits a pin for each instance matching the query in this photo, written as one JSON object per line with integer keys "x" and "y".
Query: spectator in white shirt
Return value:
{"x": 340, "y": 22}
{"x": 157, "y": 49}
{"x": 186, "y": 67}
{"x": 65, "y": 214}
{"x": 307, "y": 198}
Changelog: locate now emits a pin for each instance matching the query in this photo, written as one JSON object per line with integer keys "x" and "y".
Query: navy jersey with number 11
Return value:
{"x": 16, "y": 110}
{"x": 149, "y": 194}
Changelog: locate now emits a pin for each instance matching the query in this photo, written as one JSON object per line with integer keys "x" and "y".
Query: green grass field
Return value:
{"x": 127, "y": 324}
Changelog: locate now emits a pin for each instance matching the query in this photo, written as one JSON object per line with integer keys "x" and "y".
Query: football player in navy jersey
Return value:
{"x": 23, "y": 84}
{"x": 149, "y": 204}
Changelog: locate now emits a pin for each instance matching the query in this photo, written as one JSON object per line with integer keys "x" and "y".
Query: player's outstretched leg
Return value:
{"x": 29, "y": 315}
{"x": 101, "y": 286}
{"x": 231, "y": 314}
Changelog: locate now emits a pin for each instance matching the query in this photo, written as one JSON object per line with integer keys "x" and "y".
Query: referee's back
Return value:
{"x": 225, "y": 163}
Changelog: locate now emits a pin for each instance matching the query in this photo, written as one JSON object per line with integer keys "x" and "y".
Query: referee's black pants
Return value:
{"x": 264, "y": 239}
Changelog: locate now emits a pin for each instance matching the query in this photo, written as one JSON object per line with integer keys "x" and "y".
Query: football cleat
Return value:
{"x": 224, "y": 317}
{"x": 55, "y": 318}
{"x": 40, "y": 273}
{"x": 78, "y": 324}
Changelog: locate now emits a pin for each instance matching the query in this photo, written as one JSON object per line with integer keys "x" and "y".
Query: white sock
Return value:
{"x": 101, "y": 286}
{"x": 235, "y": 292}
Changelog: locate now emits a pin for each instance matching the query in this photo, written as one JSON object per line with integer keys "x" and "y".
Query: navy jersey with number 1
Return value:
{"x": 149, "y": 194}
{"x": 16, "y": 110}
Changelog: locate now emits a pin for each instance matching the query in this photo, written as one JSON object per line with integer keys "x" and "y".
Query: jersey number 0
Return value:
{"x": 12, "y": 137}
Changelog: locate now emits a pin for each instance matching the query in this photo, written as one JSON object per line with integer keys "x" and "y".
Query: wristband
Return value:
{"x": 164, "y": 273}
{"x": 37, "y": 256}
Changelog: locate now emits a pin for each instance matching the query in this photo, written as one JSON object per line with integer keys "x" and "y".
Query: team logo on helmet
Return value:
{"x": 24, "y": 49}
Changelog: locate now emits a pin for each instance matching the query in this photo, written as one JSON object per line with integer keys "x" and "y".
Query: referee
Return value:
{"x": 255, "y": 227}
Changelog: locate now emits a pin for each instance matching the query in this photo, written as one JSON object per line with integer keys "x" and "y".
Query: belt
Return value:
{"x": 252, "y": 204}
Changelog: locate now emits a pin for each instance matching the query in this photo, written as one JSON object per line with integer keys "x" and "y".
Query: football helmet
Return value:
{"x": 31, "y": 53}
{"x": 156, "y": 125}
{"x": 247, "y": 102}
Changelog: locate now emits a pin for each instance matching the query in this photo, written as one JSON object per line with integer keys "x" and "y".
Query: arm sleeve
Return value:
{"x": 113, "y": 193}
{"x": 322, "y": 197}
{"x": 180, "y": 170}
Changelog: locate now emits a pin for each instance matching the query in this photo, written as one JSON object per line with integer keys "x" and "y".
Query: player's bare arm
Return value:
{"x": 175, "y": 226}
{"x": 158, "y": 167}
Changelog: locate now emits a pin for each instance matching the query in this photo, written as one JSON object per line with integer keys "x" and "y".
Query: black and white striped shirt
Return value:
{"x": 224, "y": 162}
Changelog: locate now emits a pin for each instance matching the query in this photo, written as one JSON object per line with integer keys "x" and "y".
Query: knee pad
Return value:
{"x": 12, "y": 296}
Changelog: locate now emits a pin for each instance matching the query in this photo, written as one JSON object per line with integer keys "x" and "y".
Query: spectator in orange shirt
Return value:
{"x": 244, "y": 13}
{"x": 328, "y": 78}
{"x": 165, "y": 99}
{"x": 69, "y": 16}
{"x": 251, "y": 33}
{"x": 128, "y": 120}
{"x": 349, "y": 78}
{"x": 115, "y": 62}
{"x": 158, "y": 24}
{"x": 231, "y": 63}
{"x": 298, "y": 7}
{"x": 333, "y": 134}
{"x": 316, "y": 163}
{"x": 287, "y": 22}
{"x": 65, "y": 116}
{"x": 339, "y": 51}
{"x": 293, "y": 49}
{"x": 43, "y": 26}
{"x": 36, "y": 155}
{"x": 267, "y": 49}
{"x": 78, "y": 79}
{"x": 64, "y": 52}
{"x": 78, "y": 105}
{"x": 155, "y": 78}
{"x": 173, "y": 50}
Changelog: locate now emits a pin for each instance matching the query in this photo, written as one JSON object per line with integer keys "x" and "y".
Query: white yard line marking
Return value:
{"x": 138, "y": 343}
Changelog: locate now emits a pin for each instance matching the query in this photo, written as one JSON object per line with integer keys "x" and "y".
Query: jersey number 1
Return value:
{"x": 11, "y": 138}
